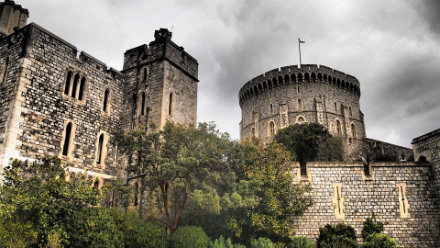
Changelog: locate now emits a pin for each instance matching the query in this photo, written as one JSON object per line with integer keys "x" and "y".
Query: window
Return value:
{"x": 297, "y": 90}
{"x": 4, "y": 71}
{"x": 338, "y": 128}
{"x": 299, "y": 104}
{"x": 145, "y": 74}
{"x": 105, "y": 102}
{"x": 271, "y": 109}
{"x": 271, "y": 128}
{"x": 67, "y": 143}
{"x": 170, "y": 107}
{"x": 403, "y": 201}
{"x": 353, "y": 131}
{"x": 100, "y": 145}
{"x": 336, "y": 107}
{"x": 300, "y": 120}
{"x": 338, "y": 201}
{"x": 253, "y": 132}
{"x": 143, "y": 104}
{"x": 75, "y": 87}
{"x": 350, "y": 112}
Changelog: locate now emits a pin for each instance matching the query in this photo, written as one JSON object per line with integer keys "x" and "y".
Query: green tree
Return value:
{"x": 36, "y": 200}
{"x": 310, "y": 142}
{"x": 184, "y": 168}
{"x": 190, "y": 237}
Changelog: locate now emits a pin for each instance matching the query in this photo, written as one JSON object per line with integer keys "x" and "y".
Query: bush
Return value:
{"x": 146, "y": 235}
{"x": 378, "y": 240}
{"x": 301, "y": 242}
{"x": 341, "y": 235}
{"x": 262, "y": 243}
{"x": 371, "y": 226}
{"x": 188, "y": 237}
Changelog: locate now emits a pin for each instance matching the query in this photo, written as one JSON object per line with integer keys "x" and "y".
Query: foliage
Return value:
{"x": 146, "y": 234}
{"x": 341, "y": 235}
{"x": 94, "y": 227}
{"x": 379, "y": 240}
{"x": 310, "y": 142}
{"x": 371, "y": 226}
{"x": 16, "y": 234}
{"x": 224, "y": 243}
{"x": 373, "y": 237}
{"x": 36, "y": 199}
{"x": 301, "y": 242}
{"x": 262, "y": 243}
{"x": 189, "y": 237}
{"x": 185, "y": 171}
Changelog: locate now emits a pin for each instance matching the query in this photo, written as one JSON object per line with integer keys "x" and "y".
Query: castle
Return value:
{"x": 57, "y": 101}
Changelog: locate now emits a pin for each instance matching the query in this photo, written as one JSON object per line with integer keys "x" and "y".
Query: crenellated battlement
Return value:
{"x": 294, "y": 75}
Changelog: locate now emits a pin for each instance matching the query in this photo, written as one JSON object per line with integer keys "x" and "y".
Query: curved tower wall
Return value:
{"x": 312, "y": 93}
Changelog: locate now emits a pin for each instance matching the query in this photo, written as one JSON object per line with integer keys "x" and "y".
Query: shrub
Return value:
{"x": 371, "y": 226}
{"x": 341, "y": 235}
{"x": 262, "y": 243}
{"x": 189, "y": 236}
{"x": 378, "y": 240}
{"x": 146, "y": 235}
{"x": 301, "y": 242}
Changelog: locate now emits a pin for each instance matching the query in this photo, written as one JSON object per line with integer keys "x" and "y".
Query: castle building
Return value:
{"x": 310, "y": 93}
{"x": 57, "y": 101}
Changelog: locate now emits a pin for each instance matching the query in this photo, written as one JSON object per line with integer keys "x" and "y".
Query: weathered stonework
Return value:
{"x": 312, "y": 93}
{"x": 341, "y": 194}
{"x": 58, "y": 102}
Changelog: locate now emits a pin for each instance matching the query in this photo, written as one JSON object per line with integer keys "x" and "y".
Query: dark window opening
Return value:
{"x": 81, "y": 89}
{"x": 75, "y": 85}
{"x": 143, "y": 104}
{"x": 67, "y": 139}
{"x": 67, "y": 86}
{"x": 105, "y": 103}
{"x": 100, "y": 142}
{"x": 171, "y": 104}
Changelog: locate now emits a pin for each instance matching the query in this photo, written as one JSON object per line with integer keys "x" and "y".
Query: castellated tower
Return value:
{"x": 58, "y": 101}
{"x": 312, "y": 93}
{"x": 161, "y": 84}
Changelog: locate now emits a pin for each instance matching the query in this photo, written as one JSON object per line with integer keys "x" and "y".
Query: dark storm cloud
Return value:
{"x": 429, "y": 10}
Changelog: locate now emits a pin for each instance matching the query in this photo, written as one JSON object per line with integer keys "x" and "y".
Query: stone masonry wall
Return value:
{"x": 399, "y": 194}
{"x": 47, "y": 110}
{"x": 292, "y": 95}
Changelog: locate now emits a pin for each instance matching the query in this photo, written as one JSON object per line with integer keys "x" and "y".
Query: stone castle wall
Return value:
{"x": 292, "y": 95}
{"x": 399, "y": 194}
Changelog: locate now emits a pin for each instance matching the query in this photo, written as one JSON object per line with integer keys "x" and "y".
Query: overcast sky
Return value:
{"x": 392, "y": 47}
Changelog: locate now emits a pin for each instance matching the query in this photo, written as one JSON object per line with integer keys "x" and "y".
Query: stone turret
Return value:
{"x": 12, "y": 16}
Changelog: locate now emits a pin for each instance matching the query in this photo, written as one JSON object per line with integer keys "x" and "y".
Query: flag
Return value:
{"x": 301, "y": 41}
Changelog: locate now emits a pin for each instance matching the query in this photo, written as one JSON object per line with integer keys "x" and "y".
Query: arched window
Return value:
{"x": 67, "y": 139}
{"x": 67, "y": 84}
{"x": 299, "y": 104}
{"x": 170, "y": 107}
{"x": 4, "y": 71}
{"x": 105, "y": 103}
{"x": 75, "y": 85}
{"x": 100, "y": 146}
{"x": 143, "y": 104}
{"x": 253, "y": 132}
{"x": 338, "y": 128}
{"x": 271, "y": 128}
{"x": 300, "y": 120}
{"x": 353, "y": 131}
{"x": 81, "y": 89}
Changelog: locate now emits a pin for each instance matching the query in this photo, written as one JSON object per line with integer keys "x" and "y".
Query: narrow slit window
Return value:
{"x": 403, "y": 200}
{"x": 353, "y": 131}
{"x": 170, "y": 105}
{"x": 338, "y": 201}
{"x": 68, "y": 134}
{"x": 271, "y": 129}
{"x": 75, "y": 85}
{"x": 105, "y": 102}
{"x": 67, "y": 84}
{"x": 350, "y": 111}
{"x": 299, "y": 104}
{"x": 145, "y": 76}
{"x": 100, "y": 145}
{"x": 81, "y": 89}
{"x": 143, "y": 104}
{"x": 338, "y": 128}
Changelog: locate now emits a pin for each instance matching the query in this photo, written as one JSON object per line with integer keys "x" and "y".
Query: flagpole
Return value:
{"x": 299, "y": 48}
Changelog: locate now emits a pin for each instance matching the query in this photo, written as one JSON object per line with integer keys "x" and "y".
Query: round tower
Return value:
{"x": 12, "y": 16}
{"x": 312, "y": 93}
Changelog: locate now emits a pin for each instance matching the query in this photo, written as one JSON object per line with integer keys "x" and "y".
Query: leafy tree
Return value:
{"x": 301, "y": 242}
{"x": 190, "y": 237}
{"x": 310, "y": 142}
{"x": 262, "y": 243}
{"x": 184, "y": 168}
{"x": 36, "y": 200}
{"x": 373, "y": 237}
{"x": 341, "y": 235}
